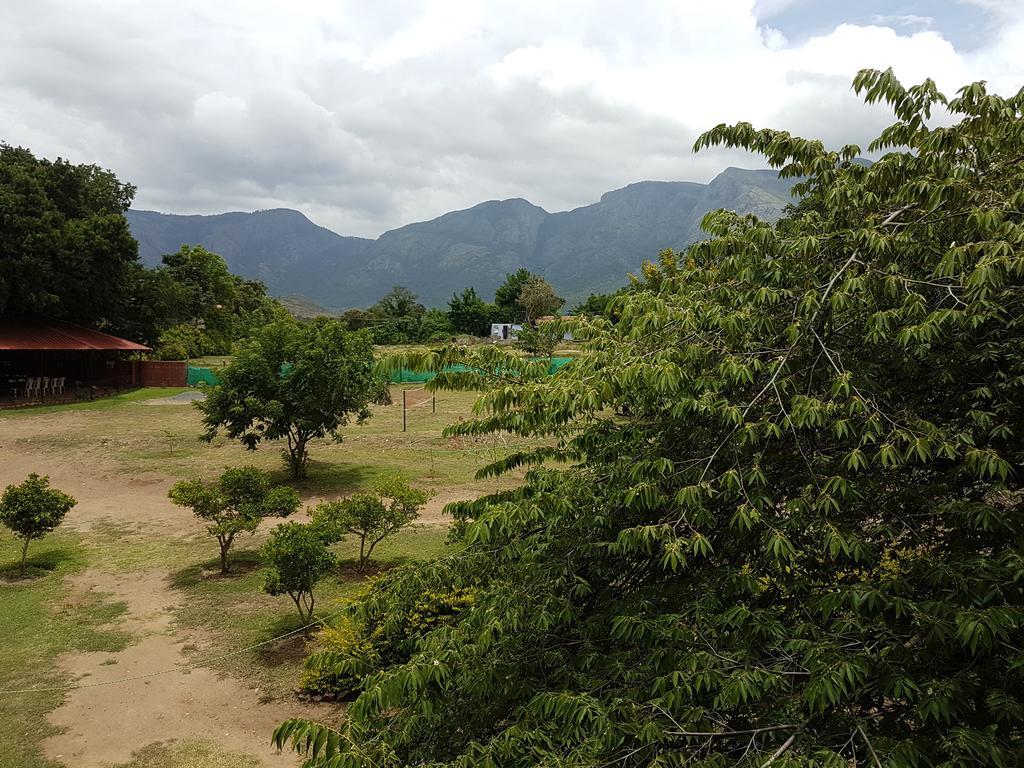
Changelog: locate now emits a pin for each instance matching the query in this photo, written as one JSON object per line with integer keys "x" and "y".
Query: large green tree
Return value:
{"x": 295, "y": 383}
{"x": 786, "y": 527}
{"x": 398, "y": 302}
{"x": 65, "y": 247}
{"x": 506, "y": 297}
{"x": 470, "y": 314}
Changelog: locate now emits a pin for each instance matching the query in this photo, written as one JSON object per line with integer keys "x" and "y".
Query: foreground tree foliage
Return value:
{"x": 31, "y": 510}
{"x": 789, "y": 531}
{"x": 236, "y": 504}
{"x": 293, "y": 382}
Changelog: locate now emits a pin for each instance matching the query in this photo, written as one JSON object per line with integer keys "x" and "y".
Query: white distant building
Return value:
{"x": 505, "y": 331}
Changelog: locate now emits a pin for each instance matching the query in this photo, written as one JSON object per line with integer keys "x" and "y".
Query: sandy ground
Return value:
{"x": 106, "y": 724}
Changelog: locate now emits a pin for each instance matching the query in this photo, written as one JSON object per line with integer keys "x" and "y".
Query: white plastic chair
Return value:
{"x": 46, "y": 386}
{"x": 58, "y": 385}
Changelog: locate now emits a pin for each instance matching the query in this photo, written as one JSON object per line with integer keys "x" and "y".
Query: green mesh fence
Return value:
{"x": 197, "y": 376}
{"x": 405, "y": 376}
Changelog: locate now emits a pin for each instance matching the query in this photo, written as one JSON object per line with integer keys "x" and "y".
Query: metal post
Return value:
{"x": 403, "y": 410}
{"x": 433, "y": 403}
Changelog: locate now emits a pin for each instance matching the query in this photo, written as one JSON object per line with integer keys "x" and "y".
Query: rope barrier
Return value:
{"x": 176, "y": 668}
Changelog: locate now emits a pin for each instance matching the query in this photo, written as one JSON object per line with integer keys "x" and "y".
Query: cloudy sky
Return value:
{"x": 368, "y": 115}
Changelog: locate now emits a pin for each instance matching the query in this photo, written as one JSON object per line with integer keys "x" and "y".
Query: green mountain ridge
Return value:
{"x": 584, "y": 250}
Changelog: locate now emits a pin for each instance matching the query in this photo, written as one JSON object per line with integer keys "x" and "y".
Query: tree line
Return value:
{"x": 66, "y": 253}
{"x": 399, "y": 318}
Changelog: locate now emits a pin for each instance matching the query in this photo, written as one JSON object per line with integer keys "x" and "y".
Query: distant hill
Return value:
{"x": 579, "y": 251}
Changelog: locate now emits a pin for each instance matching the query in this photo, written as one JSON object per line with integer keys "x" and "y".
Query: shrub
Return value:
{"x": 346, "y": 655}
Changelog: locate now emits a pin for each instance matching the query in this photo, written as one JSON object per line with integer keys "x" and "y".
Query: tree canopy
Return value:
{"x": 506, "y": 297}
{"x": 66, "y": 252}
{"x": 470, "y": 314}
{"x": 373, "y": 515}
{"x": 538, "y": 298}
{"x": 32, "y": 509}
{"x": 296, "y": 383}
{"x": 237, "y": 503}
{"x": 297, "y": 559}
{"x": 785, "y": 523}
{"x": 65, "y": 247}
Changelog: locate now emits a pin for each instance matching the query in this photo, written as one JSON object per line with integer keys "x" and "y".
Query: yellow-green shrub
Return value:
{"x": 346, "y": 654}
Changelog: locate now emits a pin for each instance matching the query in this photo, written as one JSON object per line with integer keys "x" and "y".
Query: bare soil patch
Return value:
{"x": 108, "y": 723}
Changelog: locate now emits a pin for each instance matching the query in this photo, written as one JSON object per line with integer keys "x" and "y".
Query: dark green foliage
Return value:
{"x": 297, "y": 558}
{"x": 435, "y": 326}
{"x": 399, "y": 319}
{"x": 388, "y": 506}
{"x": 32, "y": 509}
{"x": 374, "y": 639}
{"x": 204, "y": 308}
{"x": 65, "y": 248}
{"x": 786, "y": 523}
{"x": 595, "y": 304}
{"x": 398, "y": 302}
{"x": 293, "y": 382}
{"x": 470, "y": 314}
{"x": 506, "y": 297}
{"x": 239, "y": 501}
{"x": 66, "y": 252}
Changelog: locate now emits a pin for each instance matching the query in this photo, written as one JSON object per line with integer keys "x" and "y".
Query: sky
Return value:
{"x": 369, "y": 115}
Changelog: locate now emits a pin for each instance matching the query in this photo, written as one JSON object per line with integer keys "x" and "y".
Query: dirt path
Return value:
{"x": 106, "y": 724}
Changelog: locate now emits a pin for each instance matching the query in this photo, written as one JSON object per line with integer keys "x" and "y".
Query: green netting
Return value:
{"x": 197, "y": 376}
{"x": 405, "y": 376}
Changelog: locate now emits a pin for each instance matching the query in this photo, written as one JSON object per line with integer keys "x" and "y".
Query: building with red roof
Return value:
{"x": 56, "y": 351}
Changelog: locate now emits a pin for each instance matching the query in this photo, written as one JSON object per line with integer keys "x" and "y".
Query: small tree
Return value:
{"x": 298, "y": 557}
{"x": 398, "y": 302}
{"x": 237, "y": 504}
{"x": 33, "y": 509}
{"x": 541, "y": 340}
{"x": 374, "y": 515}
{"x": 293, "y": 382}
{"x": 538, "y": 298}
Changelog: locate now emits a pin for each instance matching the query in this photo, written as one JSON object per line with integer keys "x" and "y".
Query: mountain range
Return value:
{"x": 587, "y": 249}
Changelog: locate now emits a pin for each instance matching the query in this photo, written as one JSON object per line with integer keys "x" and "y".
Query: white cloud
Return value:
{"x": 369, "y": 116}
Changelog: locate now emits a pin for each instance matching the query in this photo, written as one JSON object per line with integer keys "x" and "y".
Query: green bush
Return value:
{"x": 346, "y": 655}
{"x": 353, "y": 649}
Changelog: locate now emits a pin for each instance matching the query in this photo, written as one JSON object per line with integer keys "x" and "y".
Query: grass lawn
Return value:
{"x": 39, "y": 623}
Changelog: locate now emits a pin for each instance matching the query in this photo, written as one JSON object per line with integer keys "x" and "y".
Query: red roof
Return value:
{"x": 55, "y": 334}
